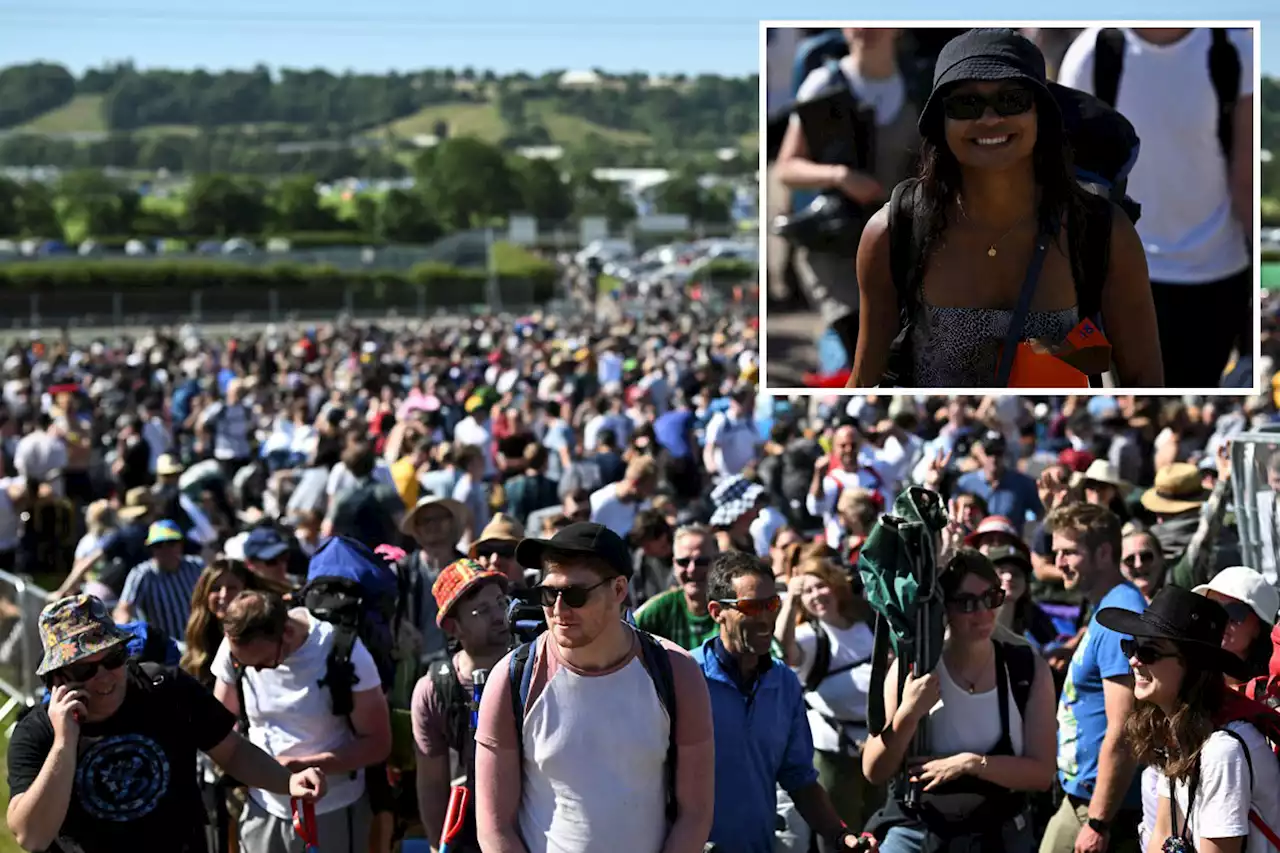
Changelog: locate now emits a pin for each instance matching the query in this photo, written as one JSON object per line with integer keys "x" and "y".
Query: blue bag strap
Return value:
{"x": 1019, "y": 319}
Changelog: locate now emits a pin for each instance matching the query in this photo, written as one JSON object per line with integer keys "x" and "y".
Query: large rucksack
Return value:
{"x": 1224, "y": 72}
{"x": 1105, "y": 147}
{"x": 656, "y": 663}
{"x": 1239, "y": 708}
{"x": 352, "y": 589}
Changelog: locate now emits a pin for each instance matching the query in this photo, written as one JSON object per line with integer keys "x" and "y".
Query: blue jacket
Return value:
{"x": 762, "y": 740}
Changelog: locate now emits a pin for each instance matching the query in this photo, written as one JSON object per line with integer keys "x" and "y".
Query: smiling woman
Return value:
{"x": 1005, "y": 251}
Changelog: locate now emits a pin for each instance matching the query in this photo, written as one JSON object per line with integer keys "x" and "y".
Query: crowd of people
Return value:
{"x": 612, "y": 592}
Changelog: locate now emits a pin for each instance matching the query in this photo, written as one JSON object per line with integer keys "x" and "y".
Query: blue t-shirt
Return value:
{"x": 1082, "y": 714}
{"x": 1015, "y": 497}
{"x": 671, "y": 430}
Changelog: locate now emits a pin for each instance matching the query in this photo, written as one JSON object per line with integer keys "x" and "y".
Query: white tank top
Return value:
{"x": 595, "y": 749}
{"x": 969, "y": 722}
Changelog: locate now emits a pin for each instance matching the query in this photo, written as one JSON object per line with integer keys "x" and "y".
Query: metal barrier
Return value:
{"x": 1254, "y": 489}
{"x": 20, "y": 652}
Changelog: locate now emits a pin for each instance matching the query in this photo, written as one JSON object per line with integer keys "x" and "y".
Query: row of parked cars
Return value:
{"x": 678, "y": 262}
{"x": 136, "y": 248}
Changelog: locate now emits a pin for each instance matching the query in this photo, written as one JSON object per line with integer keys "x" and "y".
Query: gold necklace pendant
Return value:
{"x": 991, "y": 253}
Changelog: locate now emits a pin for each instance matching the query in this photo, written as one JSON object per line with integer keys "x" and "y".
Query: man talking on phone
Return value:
{"x": 109, "y": 763}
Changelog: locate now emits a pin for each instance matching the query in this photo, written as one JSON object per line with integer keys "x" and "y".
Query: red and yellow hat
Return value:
{"x": 456, "y": 580}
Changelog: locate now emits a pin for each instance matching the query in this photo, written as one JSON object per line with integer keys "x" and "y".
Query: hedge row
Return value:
{"x": 1271, "y": 256}
{"x": 108, "y": 275}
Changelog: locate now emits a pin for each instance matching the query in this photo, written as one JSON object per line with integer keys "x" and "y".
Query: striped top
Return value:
{"x": 163, "y": 599}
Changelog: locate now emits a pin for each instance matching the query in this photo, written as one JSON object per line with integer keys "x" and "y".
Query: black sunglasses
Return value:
{"x": 1237, "y": 611}
{"x": 484, "y": 552}
{"x": 971, "y": 106}
{"x": 1144, "y": 556}
{"x": 696, "y": 562}
{"x": 573, "y": 596}
{"x": 1146, "y": 653}
{"x": 967, "y": 602}
{"x": 79, "y": 673}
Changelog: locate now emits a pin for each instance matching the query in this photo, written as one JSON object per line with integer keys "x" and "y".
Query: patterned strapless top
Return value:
{"x": 960, "y": 347}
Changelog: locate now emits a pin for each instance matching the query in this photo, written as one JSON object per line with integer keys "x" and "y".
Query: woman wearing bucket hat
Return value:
{"x": 1193, "y": 730}
{"x": 995, "y": 180}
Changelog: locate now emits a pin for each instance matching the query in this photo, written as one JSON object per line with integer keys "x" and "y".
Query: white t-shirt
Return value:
{"x": 1221, "y": 807}
{"x": 1187, "y": 227}
{"x": 886, "y": 96}
{"x": 290, "y": 715}
{"x": 613, "y": 513}
{"x": 843, "y": 695}
{"x": 734, "y": 442}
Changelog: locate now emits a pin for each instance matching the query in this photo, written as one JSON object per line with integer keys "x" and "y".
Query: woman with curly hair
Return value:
{"x": 1216, "y": 775}
{"x": 996, "y": 192}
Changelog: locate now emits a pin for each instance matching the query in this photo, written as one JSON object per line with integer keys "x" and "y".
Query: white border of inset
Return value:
{"x": 1255, "y": 26}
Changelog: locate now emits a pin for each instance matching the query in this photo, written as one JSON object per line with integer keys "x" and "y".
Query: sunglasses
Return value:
{"x": 1143, "y": 557}
{"x": 967, "y": 602}
{"x": 504, "y": 551}
{"x": 1237, "y": 611}
{"x": 972, "y": 106}
{"x": 573, "y": 596}
{"x": 79, "y": 673}
{"x": 752, "y": 607}
{"x": 696, "y": 562}
{"x": 1145, "y": 653}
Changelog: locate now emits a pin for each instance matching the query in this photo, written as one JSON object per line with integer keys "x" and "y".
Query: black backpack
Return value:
{"x": 656, "y": 663}
{"x": 1224, "y": 71}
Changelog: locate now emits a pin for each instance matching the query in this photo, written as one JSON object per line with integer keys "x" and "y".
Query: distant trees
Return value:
{"x": 27, "y": 91}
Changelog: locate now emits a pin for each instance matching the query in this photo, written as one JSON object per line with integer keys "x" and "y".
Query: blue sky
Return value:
{"x": 655, "y": 36}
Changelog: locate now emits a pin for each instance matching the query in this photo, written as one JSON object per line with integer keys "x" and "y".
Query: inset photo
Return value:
{"x": 1042, "y": 208}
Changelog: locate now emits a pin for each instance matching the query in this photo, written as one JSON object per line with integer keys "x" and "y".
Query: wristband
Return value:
{"x": 1099, "y": 826}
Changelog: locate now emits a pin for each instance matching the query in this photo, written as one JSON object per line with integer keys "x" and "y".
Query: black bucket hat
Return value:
{"x": 988, "y": 54}
{"x": 1192, "y": 621}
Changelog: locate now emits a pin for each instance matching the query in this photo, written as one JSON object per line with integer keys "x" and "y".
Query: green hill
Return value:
{"x": 83, "y": 114}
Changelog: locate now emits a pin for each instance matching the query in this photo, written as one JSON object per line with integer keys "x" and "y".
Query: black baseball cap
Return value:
{"x": 582, "y": 538}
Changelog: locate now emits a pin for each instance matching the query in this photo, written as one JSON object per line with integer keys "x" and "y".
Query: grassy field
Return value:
{"x": 484, "y": 122}
{"x": 1271, "y": 276}
{"x": 82, "y": 115}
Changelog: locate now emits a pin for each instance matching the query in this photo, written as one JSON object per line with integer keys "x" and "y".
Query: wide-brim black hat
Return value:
{"x": 1192, "y": 621}
{"x": 987, "y": 54}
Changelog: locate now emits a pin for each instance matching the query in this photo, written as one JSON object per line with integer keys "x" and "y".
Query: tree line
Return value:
{"x": 459, "y": 184}
{"x": 706, "y": 110}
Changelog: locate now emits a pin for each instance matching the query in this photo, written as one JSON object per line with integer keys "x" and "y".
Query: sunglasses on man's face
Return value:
{"x": 1146, "y": 653}
{"x": 752, "y": 607}
{"x": 83, "y": 671}
{"x": 696, "y": 562}
{"x": 967, "y": 602}
{"x": 971, "y": 106}
{"x": 505, "y": 551}
{"x": 573, "y": 596}
{"x": 1143, "y": 557}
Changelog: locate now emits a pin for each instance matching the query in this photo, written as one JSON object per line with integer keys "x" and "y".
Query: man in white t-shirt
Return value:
{"x": 617, "y": 504}
{"x": 284, "y": 655}
{"x": 732, "y": 440}
{"x": 1197, "y": 199}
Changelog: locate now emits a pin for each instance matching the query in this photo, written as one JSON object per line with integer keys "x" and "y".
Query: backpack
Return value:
{"x": 1224, "y": 71}
{"x": 1266, "y": 688}
{"x": 352, "y": 589}
{"x": 1240, "y": 708}
{"x": 362, "y": 514}
{"x": 656, "y": 663}
{"x": 150, "y": 644}
{"x": 898, "y": 567}
{"x": 458, "y": 707}
{"x": 1106, "y": 148}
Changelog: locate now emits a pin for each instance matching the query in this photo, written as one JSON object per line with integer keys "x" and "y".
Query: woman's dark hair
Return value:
{"x": 1172, "y": 744}
{"x": 965, "y": 562}
{"x": 939, "y": 178}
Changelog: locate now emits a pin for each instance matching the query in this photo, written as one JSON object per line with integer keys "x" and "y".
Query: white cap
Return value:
{"x": 1245, "y": 584}
{"x": 233, "y": 548}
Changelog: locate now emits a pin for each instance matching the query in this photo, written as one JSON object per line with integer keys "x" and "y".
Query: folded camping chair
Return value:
{"x": 899, "y": 567}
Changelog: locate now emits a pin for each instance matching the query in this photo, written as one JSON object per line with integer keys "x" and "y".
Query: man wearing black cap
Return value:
{"x": 1007, "y": 492}
{"x": 590, "y": 708}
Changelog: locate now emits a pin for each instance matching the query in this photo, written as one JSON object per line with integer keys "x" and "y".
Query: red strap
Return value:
{"x": 304, "y": 823}
{"x": 1267, "y": 831}
{"x": 456, "y": 814}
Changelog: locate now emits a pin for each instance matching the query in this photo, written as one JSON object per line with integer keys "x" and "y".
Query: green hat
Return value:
{"x": 74, "y": 628}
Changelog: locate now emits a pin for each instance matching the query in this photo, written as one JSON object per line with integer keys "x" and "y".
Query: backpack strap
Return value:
{"x": 821, "y": 660}
{"x": 340, "y": 672}
{"x": 1254, "y": 818}
{"x": 658, "y": 664}
{"x": 520, "y": 675}
{"x": 1108, "y": 64}
{"x": 1091, "y": 262}
{"x": 1224, "y": 71}
{"x": 905, "y": 237}
{"x": 1020, "y": 662}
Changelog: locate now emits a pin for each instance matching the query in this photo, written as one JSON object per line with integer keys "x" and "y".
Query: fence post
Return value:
{"x": 273, "y": 304}
{"x": 197, "y": 297}
{"x": 117, "y": 309}
{"x": 35, "y": 310}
